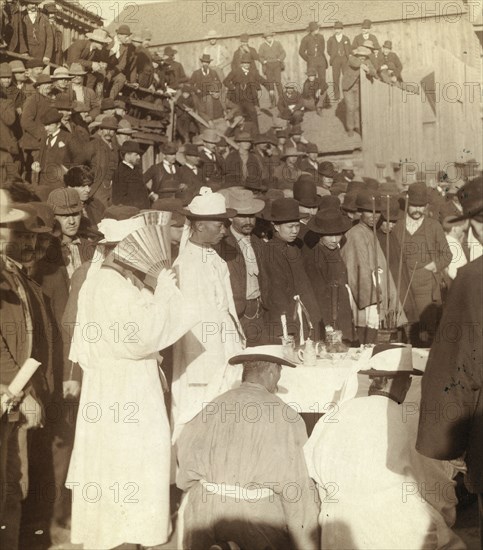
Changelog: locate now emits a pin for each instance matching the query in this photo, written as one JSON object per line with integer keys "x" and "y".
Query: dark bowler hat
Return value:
{"x": 355, "y": 186}
{"x": 269, "y": 354}
{"x": 120, "y": 212}
{"x": 338, "y": 187}
{"x": 263, "y": 138}
{"x": 338, "y": 25}
{"x": 245, "y": 58}
{"x": 327, "y": 169}
{"x": 33, "y": 223}
{"x": 329, "y": 201}
{"x": 51, "y": 116}
{"x": 64, "y": 201}
{"x": 206, "y": 58}
{"x": 313, "y": 26}
{"x": 388, "y": 187}
{"x": 170, "y": 51}
{"x": 42, "y": 79}
{"x": 329, "y": 221}
{"x": 284, "y": 211}
{"x": 311, "y": 148}
{"x": 394, "y": 208}
{"x": 418, "y": 194}
{"x": 124, "y": 29}
{"x": 471, "y": 199}
{"x": 64, "y": 104}
{"x": 169, "y": 148}
{"x": 109, "y": 123}
{"x": 366, "y": 24}
{"x": 387, "y": 44}
{"x": 191, "y": 150}
{"x": 305, "y": 191}
{"x": 5, "y": 70}
{"x": 368, "y": 201}
{"x": 131, "y": 147}
{"x": 107, "y": 103}
{"x": 371, "y": 183}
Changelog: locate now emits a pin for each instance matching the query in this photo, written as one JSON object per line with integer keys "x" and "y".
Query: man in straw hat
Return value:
{"x": 372, "y": 301}
{"x": 240, "y": 492}
{"x": 454, "y": 372}
{"x": 218, "y": 53}
{"x": 327, "y": 271}
{"x": 22, "y": 306}
{"x": 366, "y": 467}
{"x": 242, "y": 252}
{"x": 201, "y": 356}
{"x": 424, "y": 252}
{"x": 123, "y": 368}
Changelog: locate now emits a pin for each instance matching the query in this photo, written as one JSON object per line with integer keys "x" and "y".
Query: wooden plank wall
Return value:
{"x": 392, "y": 127}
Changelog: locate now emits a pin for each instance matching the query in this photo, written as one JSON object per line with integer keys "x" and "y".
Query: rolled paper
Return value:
{"x": 23, "y": 376}
{"x": 284, "y": 326}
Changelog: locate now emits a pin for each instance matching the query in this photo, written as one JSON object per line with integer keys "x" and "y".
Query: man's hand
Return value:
{"x": 46, "y": 60}
{"x": 35, "y": 166}
{"x": 431, "y": 267}
{"x": 31, "y": 411}
{"x": 167, "y": 277}
{"x": 13, "y": 399}
{"x": 71, "y": 389}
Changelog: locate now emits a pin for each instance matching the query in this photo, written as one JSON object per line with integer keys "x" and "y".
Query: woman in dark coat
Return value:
{"x": 284, "y": 275}
{"x": 327, "y": 271}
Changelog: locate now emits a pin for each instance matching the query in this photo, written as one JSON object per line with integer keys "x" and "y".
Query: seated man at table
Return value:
{"x": 367, "y": 469}
{"x": 241, "y": 463}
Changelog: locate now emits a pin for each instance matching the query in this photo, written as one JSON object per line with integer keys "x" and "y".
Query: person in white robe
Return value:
{"x": 119, "y": 470}
{"x": 371, "y": 486}
{"x": 200, "y": 366}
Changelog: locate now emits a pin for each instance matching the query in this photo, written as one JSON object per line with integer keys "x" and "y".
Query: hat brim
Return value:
{"x": 90, "y": 36}
{"x": 270, "y": 218}
{"x": 390, "y": 373}
{"x": 297, "y": 154}
{"x": 77, "y": 74}
{"x": 339, "y": 229}
{"x": 230, "y": 213}
{"x": 467, "y": 215}
{"x": 245, "y": 358}
{"x": 14, "y": 215}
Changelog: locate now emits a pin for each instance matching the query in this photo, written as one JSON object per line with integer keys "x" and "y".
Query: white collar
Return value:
{"x": 128, "y": 164}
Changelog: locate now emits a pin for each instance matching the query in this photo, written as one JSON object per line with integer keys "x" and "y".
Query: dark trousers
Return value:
{"x": 352, "y": 108}
{"x": 320, "y": 67}
{"x": 339, "y": 65}
{"x": 10, "y": 492}
{"x": 273, "y": 73}
{"x": 249, "y": 111}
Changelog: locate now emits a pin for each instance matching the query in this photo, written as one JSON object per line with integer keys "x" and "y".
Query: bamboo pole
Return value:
{"x": 401, "y": 253}
{"x": 388, "y": 275}
{"x": 374, "y": 232}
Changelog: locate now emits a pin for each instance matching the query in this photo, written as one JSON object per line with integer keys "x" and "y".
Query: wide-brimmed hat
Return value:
{"x": 17, "y": 66}
{"x": 107, "y": 104}
{"x": 50, "y": 116}
{"x": 65, "y": 200}
{"x": 131, "y": 147}
{"x": 329, "y": 201}
{"x": 244, "y": 136}
{"x": 368, "y": 201}
{"x": 210, "y": 136}
{"x": 76, "y": 69}
{"x": 242, "y": 200}
{"x": 61, "y": 73}
{"x": 115, "y": 230}
{"x": 42, "y": 79}
{"x": 80, "y": 107}
{"x": 394, "y": 208}
{"x": 125, "y": 128}
{"x": 98, "y": 35}
{"x": 362, "y": 50}
{"x": 208, "y": 206}
{"x": 349, "y": 202}
{"x": 312, "y": 148}
{"x": 391, "y": 360}
{"x": 329, "y": 221}
{"x": 271, "y": 354}
{"x": 7, "y": 213}
{"x": 33, "y": 223}
{"x": 206, "y": 58}
{"x": 5, "y": 70}
{"x": 471, "y": 199}
{"x": 327, "y": 169}
{"x": 284, "y": 210}
{"x": 263, "y": 138}
{"x": 305, "y": 191}
{"x": 418, "y": 194}
{"x": 292, "y": 152}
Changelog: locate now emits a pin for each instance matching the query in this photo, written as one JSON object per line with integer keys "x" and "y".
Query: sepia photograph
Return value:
{"x": 241, "y": 275}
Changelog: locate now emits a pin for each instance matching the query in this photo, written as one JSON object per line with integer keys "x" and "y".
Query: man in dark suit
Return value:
{"x": 165, "y": 175}
{"x": 104, "y": 160}
{"x": 174, "y": 72}
{"x": 365, "y": 35}
{"x": 454, "y": 373}
{"x": 244, "y": 50}
{"x": 205, "y": 79}
{"x": 212, "y": 163}
{"x": 389, "y": 61}
{"x": 37, "y": 33}
{"x": 57, "y": 36}
{"x": 128, "y": 186}
{"x": 339, "y": 49}
{"x": 25, "y": 333}
{"x": 122, "y": 59}
{"x": 244, "y": 85}
{"x": 144, "y": 60}
{"x": 312, "y": 50}
{"x": 190, "y": 173}
{"x": 52, "y": 150}
{"x": 242, "y": 252}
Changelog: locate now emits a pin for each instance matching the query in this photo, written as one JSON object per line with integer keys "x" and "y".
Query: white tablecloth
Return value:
{"x": 318, "y": 389}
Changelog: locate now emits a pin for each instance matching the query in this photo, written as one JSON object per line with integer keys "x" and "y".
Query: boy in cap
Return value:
{"x": 227, "y": 494}
{"x": 128, "y": 186}
{"x": 339, "y": 49}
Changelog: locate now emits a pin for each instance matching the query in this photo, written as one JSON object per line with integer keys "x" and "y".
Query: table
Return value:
{"x": 320, "y": 388}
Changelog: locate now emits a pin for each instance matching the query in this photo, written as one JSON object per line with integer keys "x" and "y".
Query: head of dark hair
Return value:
{"x": 77, "y": 176}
